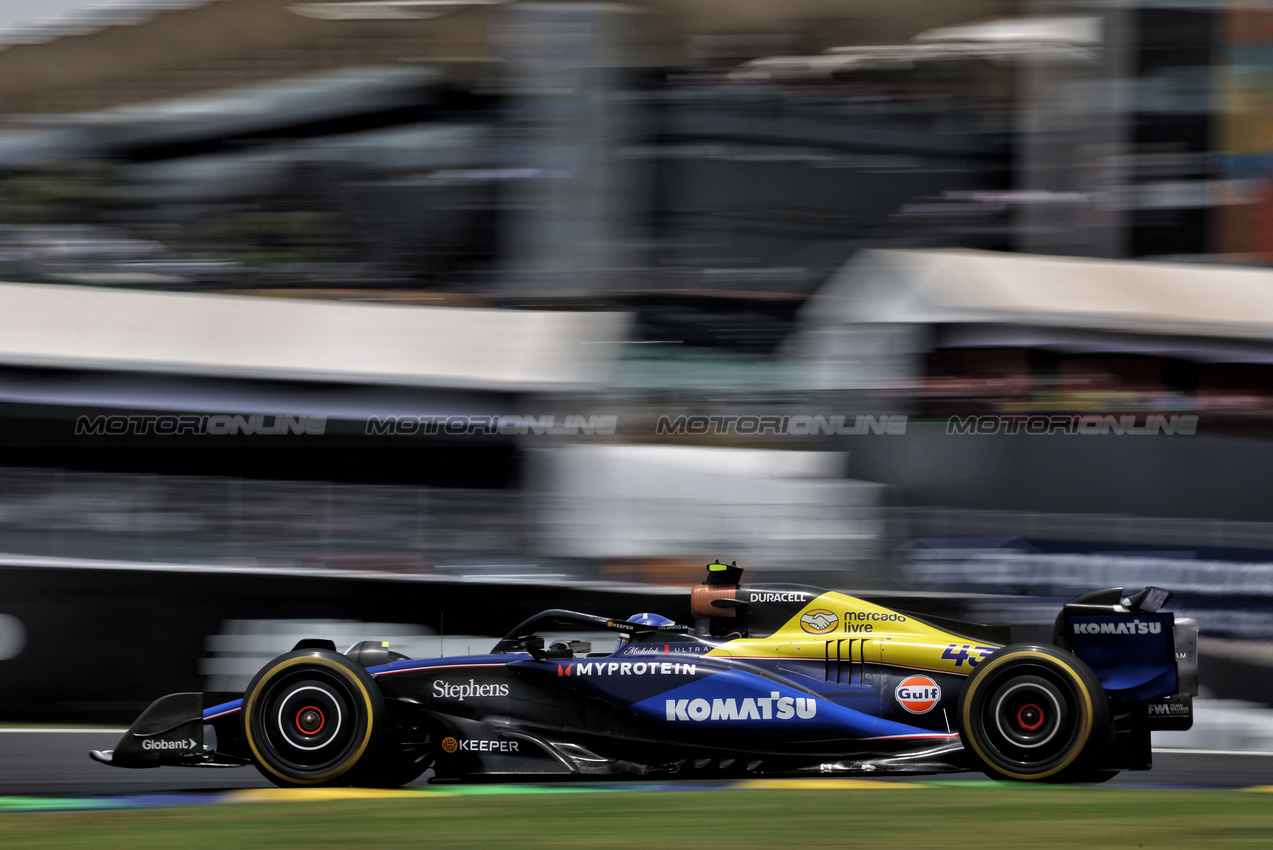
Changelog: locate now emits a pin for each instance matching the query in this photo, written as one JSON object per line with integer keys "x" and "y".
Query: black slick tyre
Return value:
{"x": 310, "y": 717}
{"x": 1034, "y": 714}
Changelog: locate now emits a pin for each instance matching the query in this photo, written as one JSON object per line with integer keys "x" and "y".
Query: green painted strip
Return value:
{"x": 55, "y": 804}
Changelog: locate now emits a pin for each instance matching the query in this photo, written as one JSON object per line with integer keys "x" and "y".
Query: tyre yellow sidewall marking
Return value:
{"x": 1086, "y": 710}
{"x": 322, "y": 662}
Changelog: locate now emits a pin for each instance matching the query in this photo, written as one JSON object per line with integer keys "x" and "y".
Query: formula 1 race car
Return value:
{"x": 772, "y": 680}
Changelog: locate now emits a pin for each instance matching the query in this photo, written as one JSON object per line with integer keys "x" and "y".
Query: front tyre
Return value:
{"x": 1033, "y": 713}
{"x": 309, "y": 717}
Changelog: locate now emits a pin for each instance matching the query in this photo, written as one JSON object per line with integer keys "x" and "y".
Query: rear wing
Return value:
{"x": 1140, "y": 653}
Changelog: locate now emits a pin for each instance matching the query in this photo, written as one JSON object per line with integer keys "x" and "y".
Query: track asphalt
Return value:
{"x": 49, "y": 770}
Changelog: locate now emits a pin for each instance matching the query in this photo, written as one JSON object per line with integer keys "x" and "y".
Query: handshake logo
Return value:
{"x": 819, "y": 621}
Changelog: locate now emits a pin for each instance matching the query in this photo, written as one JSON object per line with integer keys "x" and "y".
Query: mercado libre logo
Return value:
{"x": 918, "y": 694}
{"x": 450, "y": 744}
{"x": 819, "y": 621}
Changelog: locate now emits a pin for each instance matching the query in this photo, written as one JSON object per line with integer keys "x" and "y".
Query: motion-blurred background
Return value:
{"x": 962, "y": 304}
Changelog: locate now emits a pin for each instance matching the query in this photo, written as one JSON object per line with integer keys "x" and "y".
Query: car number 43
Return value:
{"x": 974, "y": 655}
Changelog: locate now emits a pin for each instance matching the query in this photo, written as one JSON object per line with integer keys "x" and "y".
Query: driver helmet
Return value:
{"x": 647, "y": 620}
{"x": 651, "y": 620}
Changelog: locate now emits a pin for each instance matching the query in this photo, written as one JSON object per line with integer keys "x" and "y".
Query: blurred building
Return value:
{"x": 261, "y": 143}
{"x": 1011, "y": 333}
{"x": 740, "y": 149}
{"x": 114, "y": 57}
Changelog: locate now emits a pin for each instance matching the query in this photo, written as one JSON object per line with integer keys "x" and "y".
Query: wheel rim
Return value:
{"x": 1028, "y": 714}
{"x": 308, "y": 729}
{"x": 307, "y": 720}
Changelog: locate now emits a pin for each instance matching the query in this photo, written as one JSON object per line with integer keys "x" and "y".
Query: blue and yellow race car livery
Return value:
{"x": 769, "y": 680}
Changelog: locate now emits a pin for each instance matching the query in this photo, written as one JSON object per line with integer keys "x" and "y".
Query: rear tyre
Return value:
{"x": 1034, "y": 714}
{"x": 310, "y": 717}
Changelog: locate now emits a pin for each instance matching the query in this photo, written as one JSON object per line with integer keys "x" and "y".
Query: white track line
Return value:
{"x": 1211, "y": 752}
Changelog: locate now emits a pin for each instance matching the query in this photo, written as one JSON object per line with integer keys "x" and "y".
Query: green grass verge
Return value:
{"x": 886, "y": 818}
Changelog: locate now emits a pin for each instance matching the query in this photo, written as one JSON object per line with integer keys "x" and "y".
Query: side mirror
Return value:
{"x": 535, "y": 646}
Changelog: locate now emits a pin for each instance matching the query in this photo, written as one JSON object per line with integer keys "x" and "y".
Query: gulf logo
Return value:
{"x": 918, "y": 694}
{"x": 819, "y": 621}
